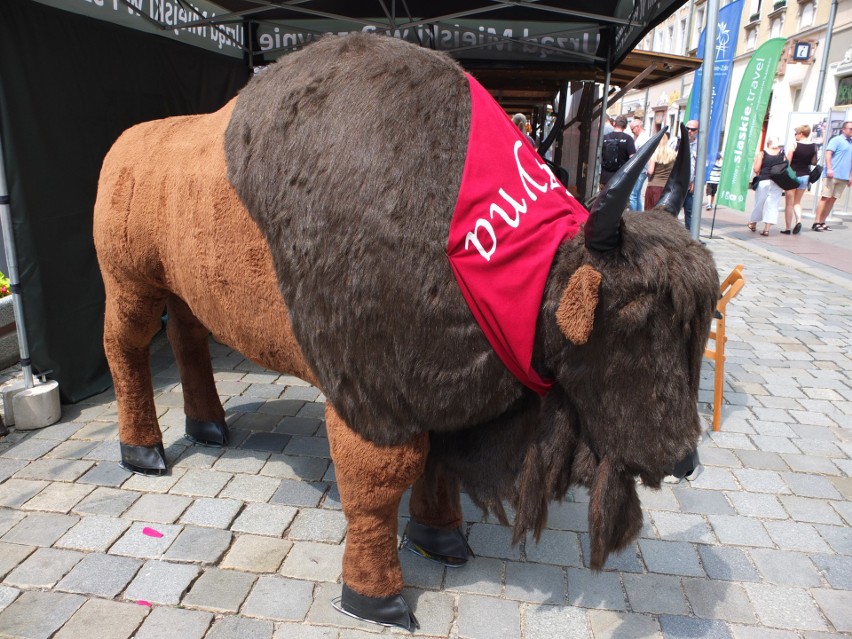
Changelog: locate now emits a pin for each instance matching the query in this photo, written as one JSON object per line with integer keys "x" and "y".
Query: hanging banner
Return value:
{"x": 727, "y": 30}
{"x": 747, "y": 124}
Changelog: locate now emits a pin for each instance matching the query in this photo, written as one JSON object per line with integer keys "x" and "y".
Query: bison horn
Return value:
{"x": 602, "y": 230}
{"x": 677, "y": 185}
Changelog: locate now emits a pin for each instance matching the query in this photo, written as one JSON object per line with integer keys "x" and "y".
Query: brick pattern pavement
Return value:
{"x": 758, "y": 547}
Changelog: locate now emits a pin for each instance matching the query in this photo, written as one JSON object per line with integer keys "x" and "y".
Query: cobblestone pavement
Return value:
{"x": 757, "y": 547}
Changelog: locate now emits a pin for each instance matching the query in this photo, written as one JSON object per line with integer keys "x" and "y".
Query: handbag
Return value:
{"x": 815, "y": 174}
{"x": 784, "y": 176}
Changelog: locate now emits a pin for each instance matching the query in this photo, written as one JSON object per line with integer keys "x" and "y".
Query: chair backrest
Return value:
{"x": 731, "y": 287}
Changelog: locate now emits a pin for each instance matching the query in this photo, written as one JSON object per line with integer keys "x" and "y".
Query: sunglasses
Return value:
{"x": 689, "y": 128}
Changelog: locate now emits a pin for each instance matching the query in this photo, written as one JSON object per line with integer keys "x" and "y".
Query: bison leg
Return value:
{"x": 434, "y": 530}
{"x": 205, "y": 417}
{"x": 371, "y": 480}
{"x": 132, "y": 318}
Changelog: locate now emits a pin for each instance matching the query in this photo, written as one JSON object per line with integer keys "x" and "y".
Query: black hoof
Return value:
{"x": 144, "y": 460}
{"x": 207, "y": 433}
{"x": 448, "y": 547}
{"x": 385, "y": 611}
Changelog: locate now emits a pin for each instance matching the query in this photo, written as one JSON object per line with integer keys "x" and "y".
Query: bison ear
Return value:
{"x": 575, "y": 316}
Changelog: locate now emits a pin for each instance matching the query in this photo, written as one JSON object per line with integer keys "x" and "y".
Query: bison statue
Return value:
{"x": 472, "y": 326}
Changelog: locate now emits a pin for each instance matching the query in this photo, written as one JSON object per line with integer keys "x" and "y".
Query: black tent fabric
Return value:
{"x": 69, "y": 85}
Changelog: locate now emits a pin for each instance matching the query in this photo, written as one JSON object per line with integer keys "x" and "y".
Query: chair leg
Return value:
{"x": 718, "y": 386}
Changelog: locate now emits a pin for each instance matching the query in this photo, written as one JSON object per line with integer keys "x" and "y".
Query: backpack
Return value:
{"x": 611, "y": 159}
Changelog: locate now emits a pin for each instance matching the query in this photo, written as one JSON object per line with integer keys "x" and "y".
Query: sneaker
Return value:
{"x": 708, "y": 207}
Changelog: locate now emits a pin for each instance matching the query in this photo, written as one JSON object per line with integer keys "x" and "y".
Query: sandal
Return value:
{"x": 752, "y": 226}
{"x": 766, "y": 233}
{"x": 817, "y": 226}
{"x": 787, "y": 232}
{"x": 826, "y": 227}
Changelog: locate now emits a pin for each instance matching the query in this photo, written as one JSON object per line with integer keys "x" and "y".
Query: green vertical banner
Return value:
{"x": 747, "y": 124}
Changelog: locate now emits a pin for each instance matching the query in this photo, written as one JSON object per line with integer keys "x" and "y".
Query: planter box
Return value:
{"x": 9, "y": 352}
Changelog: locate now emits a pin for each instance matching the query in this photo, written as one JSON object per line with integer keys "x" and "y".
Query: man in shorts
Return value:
{"x": 837, "y": 161}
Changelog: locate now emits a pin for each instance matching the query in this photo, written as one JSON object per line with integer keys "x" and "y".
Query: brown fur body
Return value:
{"x": 346, "y": 214}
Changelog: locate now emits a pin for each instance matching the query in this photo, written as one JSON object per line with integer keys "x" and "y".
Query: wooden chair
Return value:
{"x": 729, "y": 289}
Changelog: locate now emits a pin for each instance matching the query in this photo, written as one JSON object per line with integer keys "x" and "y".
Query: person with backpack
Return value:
{"x": 617, "y": 148}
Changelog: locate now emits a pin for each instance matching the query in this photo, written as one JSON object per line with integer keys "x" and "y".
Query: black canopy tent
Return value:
{"x": 75, "y": 73}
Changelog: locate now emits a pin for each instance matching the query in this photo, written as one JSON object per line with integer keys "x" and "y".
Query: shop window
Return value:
{"x": 806, "y": 15}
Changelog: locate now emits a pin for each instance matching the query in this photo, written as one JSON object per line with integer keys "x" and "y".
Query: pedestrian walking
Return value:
{"x": 837, "y": 161}
{"x": 801, "y": 156}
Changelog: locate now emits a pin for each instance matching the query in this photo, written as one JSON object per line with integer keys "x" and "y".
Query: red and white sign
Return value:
{"x": 510, "y": 217}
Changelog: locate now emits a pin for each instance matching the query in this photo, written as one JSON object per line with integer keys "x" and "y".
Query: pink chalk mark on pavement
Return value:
{"x": 151, "y": 532}
{"x": 142, "y": 602}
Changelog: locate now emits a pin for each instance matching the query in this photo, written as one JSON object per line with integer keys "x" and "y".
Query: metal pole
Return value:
{"x": 824, "y": 64}
{"x": 704, "y": 115}
{"x": 12, "y": 264}
{"x": 599, "y": 144}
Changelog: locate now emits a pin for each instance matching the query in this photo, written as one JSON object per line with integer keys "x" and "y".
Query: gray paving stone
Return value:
{"x": 8, "y": 519}
{"x": 736, "y": 441}
{"x": 201, "y": 483}
{"x": 54, "y": 470}
{"x": 658, "y": 594}
{"x": 15, "y": 492}
{"x": 9, "y": 467}
{"x": 811, "y": 464}
{"x": 7, "y": 596}
{"x": 135, "y": 543}
{"x": 836, "y": 570}
{"x": 94, "y": 533}
{"x": 175, "y": 622}
{"x": 157, "y": 508}
{"x": 29, "y": 449}
{"x": 806, "y": 509}
{"x": 558, "y": 547}
{"x": 595, "y": 589}
{"x": 303, "y": 425}
{"x": 299, "y": 493}
{"x": 214, "y": 513}
{"x": 418, "y": 572}
{"x": 760, "y": 481}
{"x": 483, "y": 576}
{"x": 435, "y": 611}
{"x": 555, "y": 621}
{"x": 313, "y": 561}
{"x": 40, "y": 529}
{"x": 97, "y": 431}
{"x": 626, "y": 561}
{"x": 609, "y": 624}
{"x": 250, "y": 488}
{"x": 837, "y": 607}
{"x": 703, "y": 502}
{"x": 256, "y": 554}
{"x": 488, "y": 540}
{"x": 279, "y": 598}
{"x": 105, "y": 451}
{"x": 785, "y": 568}
{"x": 241, "y": 461}
{"x": 784, "y": 607}
{"x": 295, "y": 467}
{"x": 715, "y": 479}
{"x": 675, "y": 627}
{"x": 199, "y": 457}
{"x": 309, "y": 446}
{"x": 220, "y": 591}
{"x": 670, "y": 557}
{"x": 761, "y": 459}
{"x": 756, "y": 632}
{"x": 534, "y": 583}
{"x": 107, "y": 501}
{"x": 570, "y": 516}
{"x": 318, "y": 525}
{"x": 796, "y": 536}
{"x": 161, "y": 582}
{"x": 43, "y": 568}
{"x": 63, "y": 429}
{"x": 101, "y": 575}
{"x": 488, "y": 618}
{"x": 719, "y": 600}
{"x": 59, "y": 497}
{"x": 810, "y": 486}
{"x": 306, "y": 393}
{"x": 148, "y": 484}
{"x": 683, "y": 527}
{"x": 838, "y": 537}
{"x": 104, "y": 620}
{"x": 269, "y": 442}
{"x": 199, "y": 545}
{"x": 243, "y": 628}
{"x": 106, "y": 474}
{"x": 37, "y": 615}
{"x": 739, "y": 531}
{"x": 757, "y": 505}
{"x": 11, "y": 555}
{"x": 266, "y": 519}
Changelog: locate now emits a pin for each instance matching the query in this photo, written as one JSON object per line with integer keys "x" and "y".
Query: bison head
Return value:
{"x": 626, "y": 317}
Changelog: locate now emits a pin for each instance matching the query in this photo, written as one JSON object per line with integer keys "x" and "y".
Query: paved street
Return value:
{"x": 247, "y": 542}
